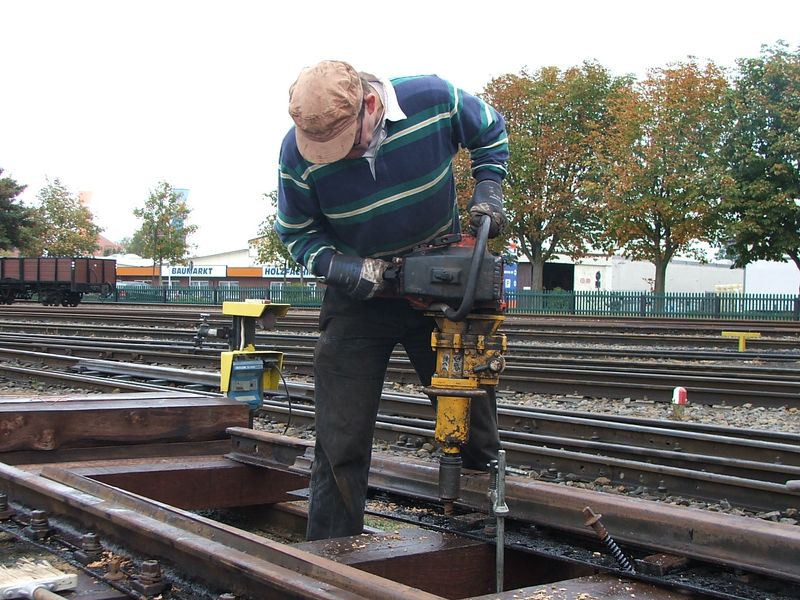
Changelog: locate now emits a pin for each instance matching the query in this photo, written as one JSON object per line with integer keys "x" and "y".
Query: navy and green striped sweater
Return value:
{"x": 340, "y": 207}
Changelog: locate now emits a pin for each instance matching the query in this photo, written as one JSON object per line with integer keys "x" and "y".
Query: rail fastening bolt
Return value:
{"x": 39, "y": 524}
{"x": 593, "y": 521}
{"x": 150, "y": 572}
{"x": 5, "y": 510}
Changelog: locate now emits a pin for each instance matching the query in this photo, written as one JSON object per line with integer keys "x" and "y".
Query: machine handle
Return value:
{"x": 481, "y": 238}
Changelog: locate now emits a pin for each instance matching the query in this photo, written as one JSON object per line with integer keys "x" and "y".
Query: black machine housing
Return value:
{"x": 438, "y": 272}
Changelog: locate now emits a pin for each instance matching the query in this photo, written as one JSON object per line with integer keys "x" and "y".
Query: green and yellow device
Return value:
{"x": 246, "y": 373}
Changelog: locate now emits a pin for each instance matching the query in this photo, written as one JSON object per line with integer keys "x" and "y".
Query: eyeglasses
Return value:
{"x": 360, "y": 133}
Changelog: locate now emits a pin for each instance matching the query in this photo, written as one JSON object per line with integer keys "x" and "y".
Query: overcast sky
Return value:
{"x": 114, "y": 96}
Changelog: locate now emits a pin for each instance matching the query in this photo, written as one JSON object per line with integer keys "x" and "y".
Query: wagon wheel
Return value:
{"x": 73, "y": 299}
{"x": 52, "y": 299}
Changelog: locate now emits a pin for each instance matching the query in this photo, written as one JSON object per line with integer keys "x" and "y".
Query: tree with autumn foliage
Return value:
{"x": 762, "y": 200}
{"x": 557, "y": 123}
{"x": 659, "y": 183}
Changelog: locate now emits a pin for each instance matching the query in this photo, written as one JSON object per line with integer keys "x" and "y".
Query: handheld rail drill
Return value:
{"x": 457, "y": 270}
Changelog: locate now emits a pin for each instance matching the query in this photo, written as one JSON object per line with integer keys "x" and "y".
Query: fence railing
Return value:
{"x": 647, "y": 304}
{"x": 300, "y": 296}
{"x": 588, "y": 303}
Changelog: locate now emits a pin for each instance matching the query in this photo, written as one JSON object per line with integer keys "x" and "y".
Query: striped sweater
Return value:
{"x": 341, "y": 207}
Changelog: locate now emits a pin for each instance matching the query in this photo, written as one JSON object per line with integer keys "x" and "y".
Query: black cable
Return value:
{"x": 289, "y": 400}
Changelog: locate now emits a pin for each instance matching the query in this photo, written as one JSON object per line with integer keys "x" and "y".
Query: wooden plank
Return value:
{"x": 594, "y": 587}
{"x": 131, "y": 419}
{"x": 73, "y": 455}
{"x": 438, "y": 563}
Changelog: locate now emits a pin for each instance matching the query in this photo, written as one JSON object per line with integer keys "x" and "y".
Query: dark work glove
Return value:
{"x": 487, "y": 199}
{"x": 359, "y": 278}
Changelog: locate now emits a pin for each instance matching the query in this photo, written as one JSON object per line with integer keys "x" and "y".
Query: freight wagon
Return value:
{"x": 56, "y": 280}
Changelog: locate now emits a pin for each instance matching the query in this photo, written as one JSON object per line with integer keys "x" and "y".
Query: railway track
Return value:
{"x": 143, "y": 501}
{"x": 529, "y": 370}
{"x": 663, "y": 333}
{"x": 742, "y": 468}
{"x": 563, "y": 461}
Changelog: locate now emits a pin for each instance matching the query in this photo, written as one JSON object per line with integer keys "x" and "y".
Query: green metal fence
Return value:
{"x": 647, "y": 304}
{"x": 588, "y": 303}
{"x": 296, "y": 295}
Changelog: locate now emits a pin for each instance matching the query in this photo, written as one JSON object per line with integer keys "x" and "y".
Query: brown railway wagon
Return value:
{"x": 56, "y": 280}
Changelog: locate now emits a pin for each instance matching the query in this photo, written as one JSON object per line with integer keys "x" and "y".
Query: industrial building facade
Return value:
{"x": 614, "y": 273}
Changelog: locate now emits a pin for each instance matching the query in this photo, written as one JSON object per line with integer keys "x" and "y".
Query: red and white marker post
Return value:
{"x": 679, "y": 402}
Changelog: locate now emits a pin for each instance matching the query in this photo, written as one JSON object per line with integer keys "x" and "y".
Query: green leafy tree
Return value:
{"x": 62, "y": 226}
{"x": 269, "y": 246}
{"x": 659, "y": 184}
{"x": 163, "y": 235}
{"x": 762, "y": 200}
{"x": 135, "y": 244}
{"x": 557, "y": 122}
{"x": 15, "y": 218}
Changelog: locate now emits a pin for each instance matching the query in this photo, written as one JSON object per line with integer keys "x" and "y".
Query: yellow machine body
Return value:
{"x": 246, "y": 373}
{"x": 469, "y": 356}
{"x": 272, "y": 375}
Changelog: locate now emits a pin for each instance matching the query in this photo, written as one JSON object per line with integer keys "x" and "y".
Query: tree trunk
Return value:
{"x": 537, "y": 275}
{"x": 661, "y": 277}
{"x": 659, "y": 287}
{"x": 796, "y": 260}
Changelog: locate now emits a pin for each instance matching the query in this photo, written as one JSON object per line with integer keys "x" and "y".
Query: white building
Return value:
{"x": 767, "y": 277}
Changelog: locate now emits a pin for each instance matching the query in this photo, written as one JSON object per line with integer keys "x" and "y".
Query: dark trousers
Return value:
{"x": 350, "y": 362}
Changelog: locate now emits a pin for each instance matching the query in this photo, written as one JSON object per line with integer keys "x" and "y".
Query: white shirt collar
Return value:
{"x": 392, "y": 112}
{"x": 389, "y": 97}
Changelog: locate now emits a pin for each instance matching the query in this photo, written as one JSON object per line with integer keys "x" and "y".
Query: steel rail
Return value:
{"x": 695, "y": 437}
{"x": 754, "y": 486}
{"x": 762, "y": 446}
{"x": 750, "y": 483}
{"x": 740, "y": 542}
{"x": 680, "y": 333}
{"x": 657, "y": 385}
{"x": 519, "y": 357}
{"x": 517, "y": 352}
{"x": 219, "y": 554}
{"x": 84, "y": 381}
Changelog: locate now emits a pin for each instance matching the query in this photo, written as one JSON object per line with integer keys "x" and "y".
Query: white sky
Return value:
{"x": 113, "y": 96}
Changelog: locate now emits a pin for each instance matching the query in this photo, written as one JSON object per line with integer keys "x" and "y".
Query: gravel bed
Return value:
{"x": 427, "y": 452}
{"x": 11, "y": 388}
{"x": 746, "y": 416}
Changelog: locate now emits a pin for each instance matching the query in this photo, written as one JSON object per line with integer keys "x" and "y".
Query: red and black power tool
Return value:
{"x": 458, "y": 282}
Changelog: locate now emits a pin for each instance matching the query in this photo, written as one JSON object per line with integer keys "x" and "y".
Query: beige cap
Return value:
{"x": 324, "y": 103}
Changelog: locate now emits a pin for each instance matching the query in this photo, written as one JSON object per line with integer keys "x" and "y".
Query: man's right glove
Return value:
{"x": 359, "y": 278}
{"x": 487, "y": 199}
